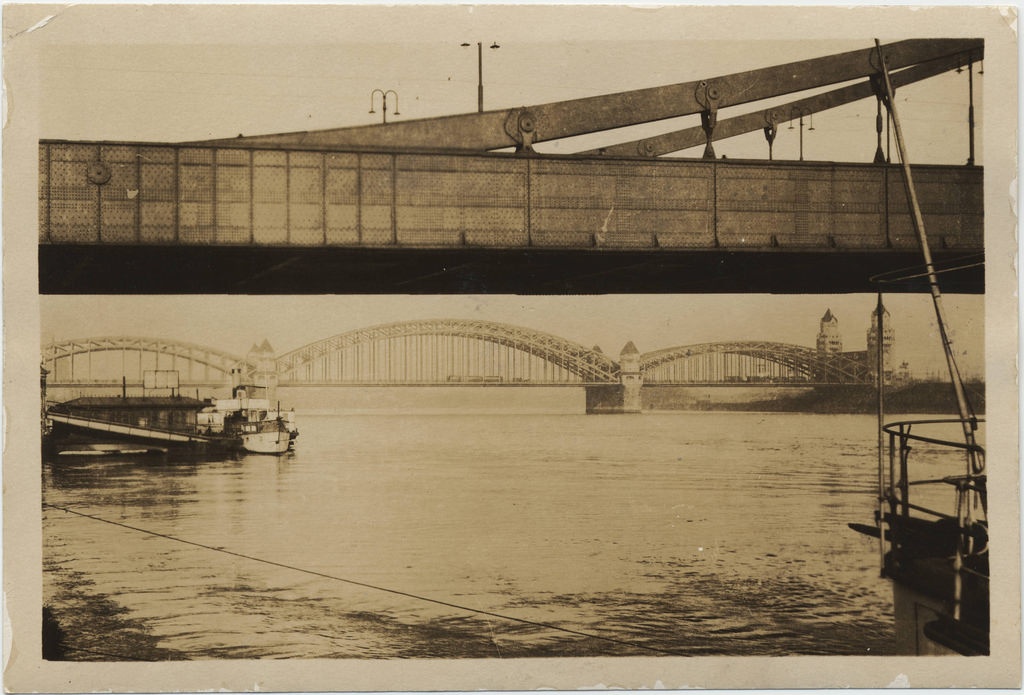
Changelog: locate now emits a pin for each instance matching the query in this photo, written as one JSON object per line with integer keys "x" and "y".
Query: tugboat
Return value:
{"x": 933, "y": 544}
{"x": 259, "y": 428}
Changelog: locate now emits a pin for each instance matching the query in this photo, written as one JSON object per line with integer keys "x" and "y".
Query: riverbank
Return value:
{"x": 921, "y": 397}
{"x": 83, "y": 624}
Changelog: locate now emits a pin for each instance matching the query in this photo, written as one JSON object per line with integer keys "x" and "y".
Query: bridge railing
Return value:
{"x": 111, "y": 193}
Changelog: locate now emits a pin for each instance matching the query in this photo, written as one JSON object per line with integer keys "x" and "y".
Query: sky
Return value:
{"x": 119, "y": 87}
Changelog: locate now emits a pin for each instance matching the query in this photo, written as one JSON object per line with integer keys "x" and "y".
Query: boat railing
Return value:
{"x": 958, "y": 534}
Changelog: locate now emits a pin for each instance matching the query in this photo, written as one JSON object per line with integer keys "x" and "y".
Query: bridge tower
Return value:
{"x": 264, "y": 362}
{"x": 623, "y": 397}
{"x": 630, "y": 378}
{"x": 887, "y": 342}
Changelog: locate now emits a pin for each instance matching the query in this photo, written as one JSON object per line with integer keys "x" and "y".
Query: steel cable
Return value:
{"x": 353, "y": 582}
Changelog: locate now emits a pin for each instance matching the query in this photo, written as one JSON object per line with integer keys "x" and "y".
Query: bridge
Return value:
{"x": 466, "y": 203}
{"x": 451, "y": 353}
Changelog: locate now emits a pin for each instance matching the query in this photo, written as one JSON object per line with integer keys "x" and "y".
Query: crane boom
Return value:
{"x": 525, "y": 126}
{"x": 687, "y": 138}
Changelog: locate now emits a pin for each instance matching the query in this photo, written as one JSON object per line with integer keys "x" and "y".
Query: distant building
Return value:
{"x": 830, "y": 340}
{"x": 263, "y": 361}
{"x": 887, "y": 342}
{"x": 830, "y": 344}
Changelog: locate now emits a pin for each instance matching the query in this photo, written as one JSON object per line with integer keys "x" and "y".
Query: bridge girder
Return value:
{"x": 589, "y": 365}
{"x": 199, "y": 354}
{"x": 804, "y": 360}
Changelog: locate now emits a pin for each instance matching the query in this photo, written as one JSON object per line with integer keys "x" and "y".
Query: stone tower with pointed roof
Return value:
{"x": 888, "y": 340}
{"x": 264, "y": 363}
{"x": 630, "y": 378}
{"x": 830, "y": 340}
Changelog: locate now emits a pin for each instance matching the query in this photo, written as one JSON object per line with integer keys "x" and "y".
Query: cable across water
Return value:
{"x": 353, "y": 582}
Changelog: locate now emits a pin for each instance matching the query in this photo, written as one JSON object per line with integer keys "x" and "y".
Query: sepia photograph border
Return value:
{"x": 26, "y": 38}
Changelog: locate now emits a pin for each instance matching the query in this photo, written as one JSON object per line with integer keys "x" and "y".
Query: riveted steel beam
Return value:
{"x": 739, "y": 125}
{"x": 525, "y": 126}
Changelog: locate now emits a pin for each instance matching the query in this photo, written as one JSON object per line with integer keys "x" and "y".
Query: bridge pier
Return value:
{"x": 623, "y": 397}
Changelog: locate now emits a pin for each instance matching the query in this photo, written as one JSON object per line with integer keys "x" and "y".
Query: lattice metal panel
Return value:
{"x": 196, "y": 193}
{"x": 782, "y": 206}
{"x": 859, "y": 207}
{"x": 951, "y": 206}
{"x": 342, "y": 199}
{"x": 306, "y": 199}
{"x": 450, "y": 200}
{"x": 158, "y": 207}
{"x": 234, "y": 202}
{"x": 270, "y": 198}
{"x": 44, "y": 192}
{"x": 119, "y": 196}
{"x": 199, "y": 195}
{"x": 377, "y": 199}
{"x": 74, "y": 201}
{"x": 621, "y": 205}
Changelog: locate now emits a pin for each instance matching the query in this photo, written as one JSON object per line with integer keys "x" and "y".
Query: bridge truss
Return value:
{"x": 109, "y": 358}
{"x": 749, "y": 361}
{"x": 446, "y": 351}
{"x": 450, "y": 352}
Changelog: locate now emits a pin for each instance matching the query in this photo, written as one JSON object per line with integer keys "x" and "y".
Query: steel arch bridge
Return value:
{"x": 749, "y": 361}
{"x": 72, "y": 361}
{"x": 446, "y": 351}
{"x": 449, "y": 352}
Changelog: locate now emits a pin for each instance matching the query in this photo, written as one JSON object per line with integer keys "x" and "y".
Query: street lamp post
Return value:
{"x": 384, "y": 102}
{"x": 480, "y": 71}
{"x": 802, "y": 113}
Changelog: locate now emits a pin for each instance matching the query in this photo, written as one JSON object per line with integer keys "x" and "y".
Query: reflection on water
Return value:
{"x": 687, "y": 533}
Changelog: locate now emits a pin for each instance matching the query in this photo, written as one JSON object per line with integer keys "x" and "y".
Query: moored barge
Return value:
{"x": 111, "y": 425}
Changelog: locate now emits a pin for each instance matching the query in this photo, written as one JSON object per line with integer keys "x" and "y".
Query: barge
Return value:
{"x": 112, "y": 425}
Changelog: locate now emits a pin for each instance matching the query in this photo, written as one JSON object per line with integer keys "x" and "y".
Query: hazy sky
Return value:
{"x": 139, "y": 80}
{"x": 652, "y": 322}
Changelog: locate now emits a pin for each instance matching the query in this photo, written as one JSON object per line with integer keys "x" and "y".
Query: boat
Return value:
{"x": 125, "y": 425}
{"x": 269, "y": 436}
{"x": 111, "y": 423}
{"x": 932, "y": 516}
{"x": 259, "y": 427}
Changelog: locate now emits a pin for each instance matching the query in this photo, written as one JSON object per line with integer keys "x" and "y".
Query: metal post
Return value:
{"x": 801, "y": 137}
{"x": 881, "y": 437}
{"x": 970, "y": 113}
{"x": 975, "y": 466}
{"x": 480, "y": 71}
{"x": 879, "y": 154}
{"x": 480, "y": 76}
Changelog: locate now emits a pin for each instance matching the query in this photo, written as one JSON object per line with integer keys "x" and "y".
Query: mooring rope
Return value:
{"x": 365, "y": 585}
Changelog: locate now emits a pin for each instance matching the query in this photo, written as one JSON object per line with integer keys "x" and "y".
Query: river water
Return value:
{"x": 479, "y": 534}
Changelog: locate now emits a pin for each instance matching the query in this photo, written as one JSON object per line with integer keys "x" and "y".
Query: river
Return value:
{"x": 433, "y": 533}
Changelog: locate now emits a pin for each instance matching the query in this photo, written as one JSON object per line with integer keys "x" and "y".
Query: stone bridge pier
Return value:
{"x": 623, "y": 397}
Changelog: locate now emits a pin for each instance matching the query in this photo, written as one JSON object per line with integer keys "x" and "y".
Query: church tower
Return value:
{"x": 888, "y": 340}
{"x": 830, "y": 341}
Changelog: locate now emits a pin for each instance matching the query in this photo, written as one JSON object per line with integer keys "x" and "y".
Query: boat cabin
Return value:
{"x": 158, "y": 412}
